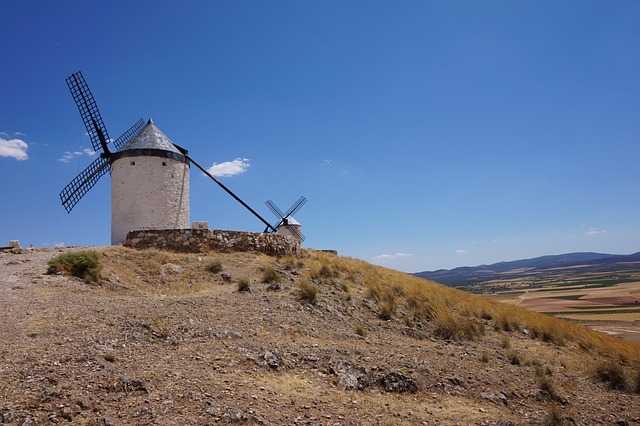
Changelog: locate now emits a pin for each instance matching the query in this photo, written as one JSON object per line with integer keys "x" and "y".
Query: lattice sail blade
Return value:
{"x": 129, "y": 134}
{"x": 81, "y": 184}
{"x": 88, "y": 110}
{"x": 296, "y": 206}
{"x": 274, "y": 209}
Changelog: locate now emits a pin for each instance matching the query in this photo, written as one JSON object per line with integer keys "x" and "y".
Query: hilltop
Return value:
{"x": 316, "y": 339}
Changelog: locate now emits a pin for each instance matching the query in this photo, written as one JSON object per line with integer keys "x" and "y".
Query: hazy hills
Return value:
{"x": 584, "y": 262}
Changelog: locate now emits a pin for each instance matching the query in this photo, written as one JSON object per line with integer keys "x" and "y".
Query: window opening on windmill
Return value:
{"x": 164, "y": 163}
{"x": 133, "y": 163}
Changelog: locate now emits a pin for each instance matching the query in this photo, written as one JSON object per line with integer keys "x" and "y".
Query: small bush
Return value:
{"x": 81, "y": 264}
{"x": 505, "y": 342}
{"x": 214, "y": 267}
{"x": 270, "y": 275}
{"x": 514, "y": 357}
{"x": 308, "y": 292}
{"x": 484, "y": 357}
{"x": 451, "y": 326}
{"x": 360, "y": 331}
{"x": 546, "y": 383}
{"x": 555, "y": 417}
{"x": 243, "y": 285}
{"x": 612, "y": 375}
{"x": 387, "y": 309}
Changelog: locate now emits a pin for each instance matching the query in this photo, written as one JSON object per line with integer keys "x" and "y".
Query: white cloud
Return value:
{"x": 461, "y": 251}
{"x": 594, "y": 231}
{"x": 13, "y": 148}
{"x": 68, "y": 155}
{"x": 381, "y": 258}
{"x": 229, "y": 168}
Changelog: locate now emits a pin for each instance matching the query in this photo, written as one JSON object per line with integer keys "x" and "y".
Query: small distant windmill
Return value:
{"x": 287, "y": 225}
{"x": 149, "y": 174}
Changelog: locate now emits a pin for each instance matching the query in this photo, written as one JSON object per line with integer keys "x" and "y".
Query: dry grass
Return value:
{"x": 452, "y": 314}
{"x": 460, "y": 315}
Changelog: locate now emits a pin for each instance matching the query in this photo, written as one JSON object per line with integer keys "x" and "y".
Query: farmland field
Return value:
{"x": 608, "y": 302}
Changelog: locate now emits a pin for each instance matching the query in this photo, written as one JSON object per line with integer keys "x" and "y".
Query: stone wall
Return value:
{"x": 197, "y": 240}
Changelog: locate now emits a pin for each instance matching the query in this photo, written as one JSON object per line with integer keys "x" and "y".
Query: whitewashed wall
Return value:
{"x": 145, "y": 194}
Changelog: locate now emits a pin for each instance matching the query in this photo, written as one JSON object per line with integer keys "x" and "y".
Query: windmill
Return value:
{"x": 81, "y": 184}
{"x": 149, "y": 174}
{"x": 287, "y": 225}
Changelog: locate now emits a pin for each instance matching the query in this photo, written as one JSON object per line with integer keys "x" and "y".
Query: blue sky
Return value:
{"x": 425, "y": 134}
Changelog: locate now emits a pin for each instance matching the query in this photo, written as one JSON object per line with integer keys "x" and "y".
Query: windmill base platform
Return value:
{"x": 199, "y": 240}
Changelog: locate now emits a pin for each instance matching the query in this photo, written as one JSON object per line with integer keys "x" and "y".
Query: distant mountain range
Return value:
{"x": 586, "y": 262}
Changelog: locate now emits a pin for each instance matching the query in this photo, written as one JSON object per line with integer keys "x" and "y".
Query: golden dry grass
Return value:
{"x": 452, "y": 313}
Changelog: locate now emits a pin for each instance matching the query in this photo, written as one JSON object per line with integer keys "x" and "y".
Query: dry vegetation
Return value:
{"x": 169, "y": 338}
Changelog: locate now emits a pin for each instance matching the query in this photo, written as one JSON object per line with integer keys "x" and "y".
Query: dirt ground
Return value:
{"x": 116, "y": 353}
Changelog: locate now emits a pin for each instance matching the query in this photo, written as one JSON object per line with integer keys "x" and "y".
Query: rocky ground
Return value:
{"x": 177, "y": 345}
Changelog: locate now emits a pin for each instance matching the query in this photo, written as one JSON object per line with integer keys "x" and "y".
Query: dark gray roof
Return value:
{"x": 150, "y": 142}
{"x": 150, "y": 137}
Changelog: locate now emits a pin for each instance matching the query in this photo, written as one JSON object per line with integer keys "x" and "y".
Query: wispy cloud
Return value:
{"x": 385, "y": 257}
{"x": 229, "y": 168}
{"x": 69, "y": 155}
{"x": 594, "y": 231}
{"x": 13, "y": 148}
{"x": 461, "y": 251}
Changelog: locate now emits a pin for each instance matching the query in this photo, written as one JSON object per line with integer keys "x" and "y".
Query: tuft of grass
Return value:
{"x": 270, "y": 275}
{"x": 243, "y": 285}
{"x": 214, "y": 267}
{"x": 613, "y": 375}
{"x": 451, "y": 326}
{"x": 360, "y": 331}
{"x": 308, "y": 292}
{"x": 514, "y": 357}
{"x": 546, "y": 383}
{"x": 82, "y": 264}
{"x": 505, "y": 342}
{"x": 555, "y": 417}
{"x": 484, "y": 357}
{"x": 160, "y": 327}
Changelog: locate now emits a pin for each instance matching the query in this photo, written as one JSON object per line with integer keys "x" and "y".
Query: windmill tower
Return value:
{"x": 149, "y": 185}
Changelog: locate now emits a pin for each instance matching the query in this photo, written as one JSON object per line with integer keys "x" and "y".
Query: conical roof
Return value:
{"x": 150, "y": 141}
{"x": 150, "y": 137}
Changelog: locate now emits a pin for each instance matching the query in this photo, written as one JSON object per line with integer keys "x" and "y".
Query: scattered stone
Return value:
{"x": 397, "y": 382}
{"x": 350, "y": 377}
{"x": 131, "y": 384}
{"x": 268, "y": 359}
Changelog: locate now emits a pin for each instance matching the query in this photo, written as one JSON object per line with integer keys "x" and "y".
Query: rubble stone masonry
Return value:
{"x": 198, "y": 240}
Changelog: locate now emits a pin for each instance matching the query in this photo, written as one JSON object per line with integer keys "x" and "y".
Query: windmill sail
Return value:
{"x": 81, "y": 184}
{"x": 88, "y": 111}
{"x": 286, "y": 219}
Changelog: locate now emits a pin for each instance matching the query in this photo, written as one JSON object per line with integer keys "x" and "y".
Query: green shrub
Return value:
{"x": 82, "y": 264}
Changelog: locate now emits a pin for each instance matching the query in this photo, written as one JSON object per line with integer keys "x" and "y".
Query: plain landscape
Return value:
{"x": 599, "y": 290}
{"x": 153, "y": 337}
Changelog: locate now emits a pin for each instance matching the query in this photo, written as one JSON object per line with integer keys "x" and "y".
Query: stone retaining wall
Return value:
{"x": 198, "y": 240}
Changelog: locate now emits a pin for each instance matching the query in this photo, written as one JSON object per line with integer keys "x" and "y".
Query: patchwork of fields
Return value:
{"x": 608, "y": 302}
